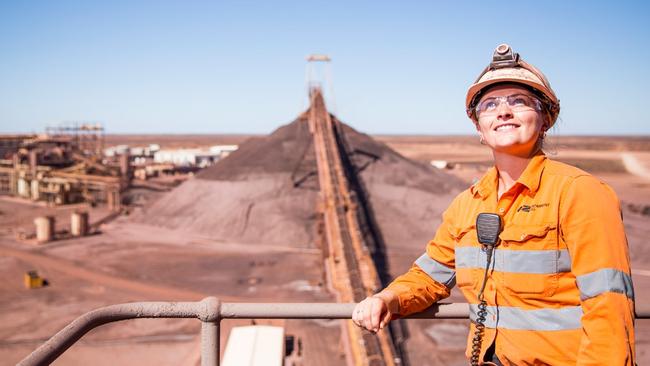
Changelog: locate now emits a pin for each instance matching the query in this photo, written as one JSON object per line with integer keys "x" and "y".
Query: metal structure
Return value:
{"x": 210, "y": 311}
{"x": 62, "y": 167}
{"x": 318, "y": 75}
{"x": 87, "y": 137}
{"x": 351, "y": 268}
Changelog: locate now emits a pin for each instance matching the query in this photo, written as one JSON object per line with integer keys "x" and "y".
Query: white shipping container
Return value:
{"x": 179, "y": 157}
{"x": 255, "y": 345}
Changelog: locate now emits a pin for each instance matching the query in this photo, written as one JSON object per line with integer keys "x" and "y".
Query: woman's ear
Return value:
{"x": 546, "y": 125}
{"x": 548, "y": 121}
{"x": 480, "y": 133}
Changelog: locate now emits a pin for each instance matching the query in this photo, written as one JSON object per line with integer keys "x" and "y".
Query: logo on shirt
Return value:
{"x": 531, "y": 208}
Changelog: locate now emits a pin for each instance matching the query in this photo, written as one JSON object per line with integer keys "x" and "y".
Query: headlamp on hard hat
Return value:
{"x": 504, "y": 57}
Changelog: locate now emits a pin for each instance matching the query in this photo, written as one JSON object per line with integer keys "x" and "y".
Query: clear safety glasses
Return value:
{"x": 516, "y": 102}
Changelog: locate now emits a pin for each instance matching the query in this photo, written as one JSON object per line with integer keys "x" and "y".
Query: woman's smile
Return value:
{"x": 505, "y": 127}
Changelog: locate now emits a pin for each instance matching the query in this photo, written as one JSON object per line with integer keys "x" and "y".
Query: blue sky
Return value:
{"x": 399, "y": 67}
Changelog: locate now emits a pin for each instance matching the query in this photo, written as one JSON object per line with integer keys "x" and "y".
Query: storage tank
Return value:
{"x": 44, "y": 228}
{"x": 35, "y": 190}
{"x": 79, "y": 223}
{"x": 23, "y": 188}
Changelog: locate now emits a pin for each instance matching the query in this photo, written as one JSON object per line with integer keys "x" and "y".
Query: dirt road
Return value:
{"x": 76, "y": 270}
{"x": 634, "y": 166}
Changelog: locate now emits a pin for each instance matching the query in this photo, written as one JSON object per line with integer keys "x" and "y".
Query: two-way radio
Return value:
{"x": 488, "y": 227}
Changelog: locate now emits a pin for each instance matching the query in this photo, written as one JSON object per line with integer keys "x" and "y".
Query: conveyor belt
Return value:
{"x": 352, "y": 270}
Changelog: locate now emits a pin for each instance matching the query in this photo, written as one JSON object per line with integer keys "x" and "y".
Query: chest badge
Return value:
{"x": 533, "y": 207}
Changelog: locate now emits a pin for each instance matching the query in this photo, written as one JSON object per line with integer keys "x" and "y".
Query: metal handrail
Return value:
{"x": 211, "y": 311}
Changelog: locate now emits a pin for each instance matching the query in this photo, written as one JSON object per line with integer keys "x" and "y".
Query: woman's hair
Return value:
{"x": 546, "y": 106}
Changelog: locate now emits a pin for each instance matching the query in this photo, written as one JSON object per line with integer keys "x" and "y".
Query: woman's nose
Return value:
{"x": 504, "y": 112}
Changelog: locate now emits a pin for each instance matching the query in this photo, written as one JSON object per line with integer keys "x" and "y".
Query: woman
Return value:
{"x": 556, "y": 289}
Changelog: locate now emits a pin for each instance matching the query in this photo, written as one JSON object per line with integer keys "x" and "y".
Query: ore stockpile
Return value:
{"x": 316, "y": 182}
{"x": 265, "y": 193}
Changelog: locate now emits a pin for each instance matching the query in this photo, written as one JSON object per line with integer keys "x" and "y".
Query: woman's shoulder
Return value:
{"x": 576, "y": 179}
{"x": 559, "y": 168}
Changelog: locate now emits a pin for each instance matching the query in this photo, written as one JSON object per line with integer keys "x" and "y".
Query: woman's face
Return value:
{"x": 510, "y": 120}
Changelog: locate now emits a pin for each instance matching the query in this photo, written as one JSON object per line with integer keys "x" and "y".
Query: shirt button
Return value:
{"x": 501, "y": 209}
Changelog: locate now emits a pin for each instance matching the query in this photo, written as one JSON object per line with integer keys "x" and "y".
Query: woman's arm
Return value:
{"x": 429, "y": 279}
{"x": 592, "y": 226}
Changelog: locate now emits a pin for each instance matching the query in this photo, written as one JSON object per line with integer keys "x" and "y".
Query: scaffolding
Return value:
{"x": 85, "y": 137}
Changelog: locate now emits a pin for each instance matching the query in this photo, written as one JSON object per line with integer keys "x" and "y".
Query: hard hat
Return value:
{"x": 507, "y": 66}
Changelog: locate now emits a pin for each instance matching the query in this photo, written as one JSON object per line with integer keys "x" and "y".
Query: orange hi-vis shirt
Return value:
{"x": 559, "y": 289}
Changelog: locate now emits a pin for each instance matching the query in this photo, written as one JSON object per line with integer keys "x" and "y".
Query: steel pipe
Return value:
{"x": 206, "y": 310}
{"x": 326, "y": 311}
{"x": 211, "y": 311}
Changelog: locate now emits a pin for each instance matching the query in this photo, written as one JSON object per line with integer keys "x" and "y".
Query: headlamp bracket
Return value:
{"x": 504, "y": 57}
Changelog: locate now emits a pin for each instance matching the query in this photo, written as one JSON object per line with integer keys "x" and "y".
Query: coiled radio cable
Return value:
{"x": 488, "y": 227}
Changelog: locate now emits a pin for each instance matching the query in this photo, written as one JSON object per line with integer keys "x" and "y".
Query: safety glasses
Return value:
{"x": 516, "y": 102}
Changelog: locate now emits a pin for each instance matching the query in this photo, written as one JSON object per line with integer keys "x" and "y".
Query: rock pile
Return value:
{"x": 265, "y": 193}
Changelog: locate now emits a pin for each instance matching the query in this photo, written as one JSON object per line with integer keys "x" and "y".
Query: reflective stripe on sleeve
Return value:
{"x": 605, "y": 280}
{"x": 436, "y": 270}
{"x": 516, "y": 261}
{"x": 507, "y": 317}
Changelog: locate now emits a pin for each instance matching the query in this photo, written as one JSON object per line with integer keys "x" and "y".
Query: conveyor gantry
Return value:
{"x": 351, "y": 269}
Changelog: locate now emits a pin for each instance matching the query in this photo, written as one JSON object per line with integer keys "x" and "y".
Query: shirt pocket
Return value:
{"x": 529, "y": 259}
{"x": 466, "y": 255}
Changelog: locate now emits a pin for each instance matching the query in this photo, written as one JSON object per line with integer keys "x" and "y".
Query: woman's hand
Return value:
{"x": 374, "y": 312}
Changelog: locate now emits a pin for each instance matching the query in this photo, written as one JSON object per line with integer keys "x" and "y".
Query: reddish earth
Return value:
{"x": 156, "y": 254}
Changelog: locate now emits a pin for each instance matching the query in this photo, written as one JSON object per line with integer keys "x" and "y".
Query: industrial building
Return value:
{"x": 63, "y": 166}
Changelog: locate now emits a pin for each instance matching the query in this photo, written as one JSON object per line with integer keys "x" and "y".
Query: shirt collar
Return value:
{"x": 485, "y": 185}
{"x": 530, "y": 178}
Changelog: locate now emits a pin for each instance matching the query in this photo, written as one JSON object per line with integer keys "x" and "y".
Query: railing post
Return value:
{"x": 210, "y": 331}
{"x": 210, "y": 343}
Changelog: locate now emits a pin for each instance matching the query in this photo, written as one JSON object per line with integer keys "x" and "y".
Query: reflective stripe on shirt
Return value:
{"x": 516, "y": 261}
{"x": 605, "y": 280}
{"x": 507, "y": 317}
{"x": 436, "y": 270}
